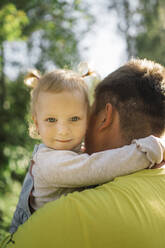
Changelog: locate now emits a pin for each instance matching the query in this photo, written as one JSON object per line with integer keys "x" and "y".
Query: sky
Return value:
{"x": 106, "y": 48}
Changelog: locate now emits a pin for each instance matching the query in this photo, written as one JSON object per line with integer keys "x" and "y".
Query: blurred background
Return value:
{"x": 48, "y": 34}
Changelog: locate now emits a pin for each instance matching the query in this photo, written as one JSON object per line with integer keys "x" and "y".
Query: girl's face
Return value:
{"x": 61, "y": 119}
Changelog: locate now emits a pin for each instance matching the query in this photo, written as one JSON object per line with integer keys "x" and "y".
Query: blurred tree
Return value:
{"x": 11, "y": 23}
{"x": 54, "y": 29}
{"x": 151, "y": 38}
{"x": 142, "y": 25}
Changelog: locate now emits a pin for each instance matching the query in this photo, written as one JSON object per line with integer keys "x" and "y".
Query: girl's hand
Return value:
{"x": 161, "y": 165}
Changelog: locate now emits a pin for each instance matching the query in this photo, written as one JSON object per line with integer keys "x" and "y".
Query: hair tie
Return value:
{"x": 31, "y": 80}
{"x": 90, "y": 77}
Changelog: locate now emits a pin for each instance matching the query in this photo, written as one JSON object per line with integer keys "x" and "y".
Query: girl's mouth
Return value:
{"x": 63, "y": 141}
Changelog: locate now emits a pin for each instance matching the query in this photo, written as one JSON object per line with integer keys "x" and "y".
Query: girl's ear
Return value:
{"x": 35, "y": 127}
{"x": 106, "y": 117}
{"x": 35, "y": 121}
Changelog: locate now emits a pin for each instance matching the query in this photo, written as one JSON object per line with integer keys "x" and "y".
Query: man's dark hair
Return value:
{"x": 137, "y": 91}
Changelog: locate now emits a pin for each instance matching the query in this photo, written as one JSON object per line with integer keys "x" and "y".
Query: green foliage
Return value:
{"x": 150, "y": 40}
{"x": 16, "y": 148}
{"x": 7, "y": 205}
{"x": 54, "y": 30}
{"x": 11, "y": 22}
{"x": 141, "y": 23}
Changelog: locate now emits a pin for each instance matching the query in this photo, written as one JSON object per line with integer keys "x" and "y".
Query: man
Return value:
{"x": 130, "y": 211}
{"x": 129, "y": 103}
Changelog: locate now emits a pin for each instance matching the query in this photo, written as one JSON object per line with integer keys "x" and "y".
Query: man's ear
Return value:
{"x": 107, "y": 117}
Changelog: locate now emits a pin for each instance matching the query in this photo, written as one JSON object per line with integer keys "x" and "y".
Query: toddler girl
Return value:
{"x": 60, "y": 108}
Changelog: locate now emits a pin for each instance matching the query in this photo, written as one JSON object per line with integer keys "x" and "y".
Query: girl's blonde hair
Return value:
{"x": 55, "y": 81}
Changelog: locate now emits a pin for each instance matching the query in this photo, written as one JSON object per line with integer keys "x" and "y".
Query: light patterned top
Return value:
{"x": 59, "y": 172}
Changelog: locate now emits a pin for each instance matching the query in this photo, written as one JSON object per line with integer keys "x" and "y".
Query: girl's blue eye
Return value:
{"x": 75, "y": 118}
{"x": 51, "y": 119}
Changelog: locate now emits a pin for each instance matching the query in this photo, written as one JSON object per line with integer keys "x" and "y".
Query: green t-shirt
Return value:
{"x": 126, "y": 213}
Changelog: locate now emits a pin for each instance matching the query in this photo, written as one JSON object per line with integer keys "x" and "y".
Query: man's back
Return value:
{"x": 126, "y": 213}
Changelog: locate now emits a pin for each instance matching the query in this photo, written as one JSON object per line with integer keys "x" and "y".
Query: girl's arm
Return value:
{"x": 68, "y": 169}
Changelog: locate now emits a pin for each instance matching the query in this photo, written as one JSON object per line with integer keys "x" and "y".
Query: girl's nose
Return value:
{"x": 63, "y": 130}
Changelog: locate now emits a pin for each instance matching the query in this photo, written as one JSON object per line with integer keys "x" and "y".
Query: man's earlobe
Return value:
{"x": 107, "y": 117}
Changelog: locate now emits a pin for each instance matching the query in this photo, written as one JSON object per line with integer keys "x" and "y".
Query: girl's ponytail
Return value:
{"x": 31, "y": 80}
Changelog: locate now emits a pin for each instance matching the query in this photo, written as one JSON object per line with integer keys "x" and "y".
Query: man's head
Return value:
{"x": 129, "y": 103}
